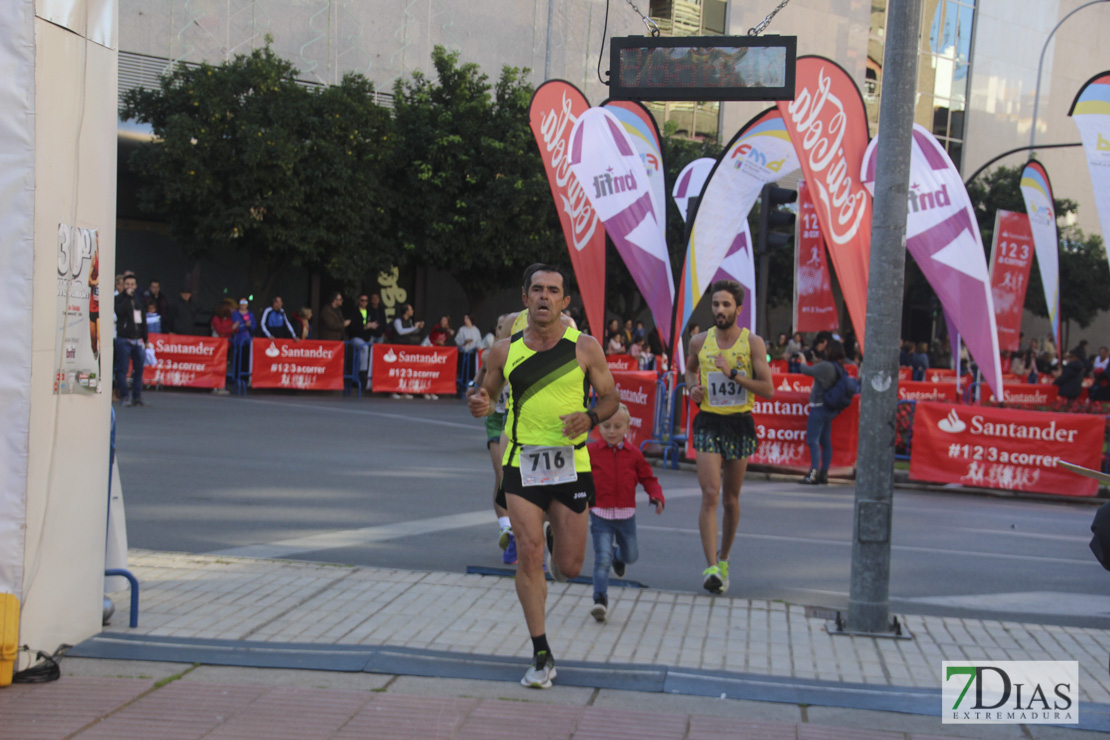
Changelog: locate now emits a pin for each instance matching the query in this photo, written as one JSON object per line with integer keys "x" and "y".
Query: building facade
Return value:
{"x": 977, "y": 74}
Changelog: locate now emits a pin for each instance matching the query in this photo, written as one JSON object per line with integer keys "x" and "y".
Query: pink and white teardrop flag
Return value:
{"x": 1091, "y": 112}
{"x": 739, "y": 265}
{"x": 943, "y": 237}
{"x": 1036, "y": 190}
{"x": 760, "y": 153}
{"x": 642, "y": 131}
{"x": 690, "y": 183}
{"x": 605, "y": 161}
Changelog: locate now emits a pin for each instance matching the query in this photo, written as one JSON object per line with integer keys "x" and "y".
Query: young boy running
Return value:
{"x": 617, "y": 468}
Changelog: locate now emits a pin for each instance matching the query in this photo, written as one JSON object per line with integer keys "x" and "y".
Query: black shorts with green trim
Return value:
{"x": 732, "y": 436}
{"x": 576, "y": 495}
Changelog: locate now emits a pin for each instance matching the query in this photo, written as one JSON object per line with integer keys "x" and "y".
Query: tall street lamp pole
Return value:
{"x": 1040, "y": 65}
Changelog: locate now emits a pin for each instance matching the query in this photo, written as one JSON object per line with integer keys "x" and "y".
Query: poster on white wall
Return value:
{"x": 77, "y": 346}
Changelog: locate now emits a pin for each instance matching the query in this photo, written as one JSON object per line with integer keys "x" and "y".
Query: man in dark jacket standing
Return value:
{"x": 131, "y": 341}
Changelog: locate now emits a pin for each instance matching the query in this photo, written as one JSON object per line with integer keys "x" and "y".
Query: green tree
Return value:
{"x": 477, "y": 202}
{"x": 1083, "y": 267}
{"x": 247, "y": 159}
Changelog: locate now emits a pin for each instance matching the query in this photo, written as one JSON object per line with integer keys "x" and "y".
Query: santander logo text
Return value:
{"x": 555, "y": 129}
{"x": 820, "y": 121}
{"x": 952, "y": 423}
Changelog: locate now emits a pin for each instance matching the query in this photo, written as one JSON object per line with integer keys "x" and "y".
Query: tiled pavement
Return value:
{"x": 291, "y": 601}
{"x": 273, "y": 602}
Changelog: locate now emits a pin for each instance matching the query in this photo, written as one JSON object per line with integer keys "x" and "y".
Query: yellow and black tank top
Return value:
{"x": 545, "y": 385}
{"x": 723, "y": 395}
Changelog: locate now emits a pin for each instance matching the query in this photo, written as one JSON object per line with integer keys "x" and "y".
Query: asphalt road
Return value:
{"x": 408, "y": 484}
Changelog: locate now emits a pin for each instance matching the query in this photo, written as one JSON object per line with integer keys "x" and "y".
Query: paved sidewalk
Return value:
{"x": 664, "y": 665}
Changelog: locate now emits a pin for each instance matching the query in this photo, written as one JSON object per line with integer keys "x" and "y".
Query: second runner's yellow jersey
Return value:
{"x": 722, "y": 394}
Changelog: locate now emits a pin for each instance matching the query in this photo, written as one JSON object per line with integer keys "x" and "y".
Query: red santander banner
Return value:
{"x": 637, "y": 391}
{"x": 1011, "y": 259}
{"x": 187, "y": 362}
{"x": 406, "y": 369}
{"x": 814, "y": 307}
{"x": 923, "y": 390}
{"x": 622, "y": 363}
{"x": 780, "y": 424}
{"x": 827, "y": 122}
{"x": 309, "y": 365}
{"x": 1027, "y": 394}
{"x": 556, "y": 106}
{"x": 1002, "y": 448}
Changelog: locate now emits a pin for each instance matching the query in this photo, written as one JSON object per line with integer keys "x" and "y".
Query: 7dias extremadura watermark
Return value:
{"x": 1010, "y": 692}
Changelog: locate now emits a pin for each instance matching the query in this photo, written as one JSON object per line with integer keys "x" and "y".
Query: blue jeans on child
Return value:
{"x": 611, "y": 536}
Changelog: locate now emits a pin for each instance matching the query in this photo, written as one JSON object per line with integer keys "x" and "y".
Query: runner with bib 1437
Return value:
{"x": 726, "y": 370}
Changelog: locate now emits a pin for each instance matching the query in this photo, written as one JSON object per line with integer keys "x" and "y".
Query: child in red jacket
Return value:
{"x": 617, "y": 468}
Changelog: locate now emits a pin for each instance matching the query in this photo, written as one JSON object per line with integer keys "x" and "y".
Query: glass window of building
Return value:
{"x": 942, "y": 70}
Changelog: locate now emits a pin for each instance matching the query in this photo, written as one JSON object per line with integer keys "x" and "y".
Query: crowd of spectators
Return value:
{"x": 367, "y": 324}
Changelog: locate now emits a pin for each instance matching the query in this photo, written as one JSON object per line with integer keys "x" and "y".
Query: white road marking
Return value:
{"x": 904, "y": 548}
{"x": 362, "y": 536}
{"x": 475, "y": 427}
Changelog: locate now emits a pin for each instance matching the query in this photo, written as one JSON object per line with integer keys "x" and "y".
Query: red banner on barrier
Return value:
{"x": 780, "y": 424}
{"x": 622, "y": 363}
{"x": 187, "y": 362}
{"x": 407, "y": 369}
{"x": 1005, "y": 448}
{"x": 637, "y": 392}
{"x": 921, "y": 390}
{"x": 1027, "y": 394}
{"x": 309, "y": 365}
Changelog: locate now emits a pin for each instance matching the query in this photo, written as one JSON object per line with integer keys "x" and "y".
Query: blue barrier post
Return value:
{"x": 350, "y": 369}
{"x": 120, "y": 571}
{"x": 134, "y": 591}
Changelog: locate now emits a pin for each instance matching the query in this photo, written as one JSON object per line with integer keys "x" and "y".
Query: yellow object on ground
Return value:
{"x": 9, "y": 636}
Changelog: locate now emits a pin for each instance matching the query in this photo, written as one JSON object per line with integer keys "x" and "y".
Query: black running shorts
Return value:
{"x": 576, "y": 496}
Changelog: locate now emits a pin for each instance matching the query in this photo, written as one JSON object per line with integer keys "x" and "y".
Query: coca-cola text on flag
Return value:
{"x": 827, "y": 122}
{"x": 556, "y": 106}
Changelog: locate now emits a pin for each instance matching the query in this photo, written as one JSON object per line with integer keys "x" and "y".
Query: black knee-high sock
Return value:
{"x": 539, "y": 645}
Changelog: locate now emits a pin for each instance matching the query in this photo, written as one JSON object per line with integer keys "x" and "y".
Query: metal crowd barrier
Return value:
{"x": 351, "y": 377}
{"x": 668, "y": 417}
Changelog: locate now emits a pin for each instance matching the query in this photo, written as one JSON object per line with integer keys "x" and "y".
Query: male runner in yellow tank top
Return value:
{"x": 726, "y": 370}
{"x": 550, "y": 369}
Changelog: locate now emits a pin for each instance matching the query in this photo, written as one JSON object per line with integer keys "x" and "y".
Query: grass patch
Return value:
{"x": 170, "y": 679}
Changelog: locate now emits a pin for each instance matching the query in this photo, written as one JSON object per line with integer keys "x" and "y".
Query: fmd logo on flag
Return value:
{"x": 1024, "y": 692}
